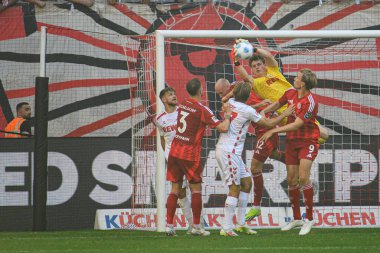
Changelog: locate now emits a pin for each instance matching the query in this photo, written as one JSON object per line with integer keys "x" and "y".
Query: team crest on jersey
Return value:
{"x": 291, "y": 101}
{"x": 299, "y": 106}
{"x": 307, "y": 115}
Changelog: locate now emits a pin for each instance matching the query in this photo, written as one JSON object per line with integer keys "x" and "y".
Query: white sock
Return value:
{"x": 186, "y": 209}
{"x": 242, "y": 206}
{"x": 229, "y": 212}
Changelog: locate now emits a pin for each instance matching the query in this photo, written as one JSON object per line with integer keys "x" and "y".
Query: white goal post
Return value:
{"x": 161, "y": 35}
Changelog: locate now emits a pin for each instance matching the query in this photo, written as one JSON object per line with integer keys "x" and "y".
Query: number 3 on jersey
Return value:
{"x": 182, "y": 128}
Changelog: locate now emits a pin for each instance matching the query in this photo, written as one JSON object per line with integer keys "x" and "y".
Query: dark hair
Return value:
{"x": 242, "y": 91}
{"x": 166, "y": 90}
{"x": 20, "y": 105}
{"x": 193, "y": 86}
{"x": 309, "y": 78}
{"x": 256, "y": 57}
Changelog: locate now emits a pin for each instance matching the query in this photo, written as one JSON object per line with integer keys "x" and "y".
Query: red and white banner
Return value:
{"x": 273, "y": 217}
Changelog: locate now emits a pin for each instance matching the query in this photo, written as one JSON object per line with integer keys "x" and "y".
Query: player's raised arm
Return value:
{"x": 239, "y": 68}
{"x": 270, "y": 61}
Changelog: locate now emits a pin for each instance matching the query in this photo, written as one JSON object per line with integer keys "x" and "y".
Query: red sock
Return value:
{"x": 308, "y": 193}
{"x": 282, "y": 156}
{"x": 294, "y": 197}
{"x": 196, "y": 206}
{"x": 171, "y": 206}
{"x": 258, "y": 187}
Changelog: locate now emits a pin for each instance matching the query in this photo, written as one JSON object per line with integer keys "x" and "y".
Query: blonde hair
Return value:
{"x": 241, "y": 91}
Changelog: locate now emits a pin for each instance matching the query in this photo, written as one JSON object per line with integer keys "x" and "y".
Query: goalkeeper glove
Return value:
{"x": 234, "y": 59}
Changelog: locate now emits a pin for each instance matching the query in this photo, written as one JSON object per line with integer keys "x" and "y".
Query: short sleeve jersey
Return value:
{"x": 167, "y": 124}
{"x": 306, "y": 108}
{"x": 272, "y": 86}
{"x": 242, "y": 115}
{"x": 193, "y": 117}
{"x": 252, "y": 100}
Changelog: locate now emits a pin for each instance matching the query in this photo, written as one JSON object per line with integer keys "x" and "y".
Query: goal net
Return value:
{"x": 345, "y": 173}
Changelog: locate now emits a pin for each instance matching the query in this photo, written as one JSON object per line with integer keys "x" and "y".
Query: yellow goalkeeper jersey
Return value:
{"x": 272, "y": 86}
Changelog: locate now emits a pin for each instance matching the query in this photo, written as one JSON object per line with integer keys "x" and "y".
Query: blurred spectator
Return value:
{"x": 20, "y": 127}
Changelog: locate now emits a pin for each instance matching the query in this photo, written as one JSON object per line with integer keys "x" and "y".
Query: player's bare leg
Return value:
{"x": 229, "y": 210}
{"x": 246, "y": 185}
{"x": 196, "y": 207}
{"x": 258, "y": 187}
{"x": 307, "y": 190}
{"x": 294, "y": 197}
{"x": 171, "y": 205}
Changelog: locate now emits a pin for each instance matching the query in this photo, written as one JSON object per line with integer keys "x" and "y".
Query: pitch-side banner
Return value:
{"x": 87, "y": 174}
{"x": 275, "y": 217}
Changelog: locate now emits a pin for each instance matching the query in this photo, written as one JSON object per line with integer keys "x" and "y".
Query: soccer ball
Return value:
{"x": 244, "y": 50}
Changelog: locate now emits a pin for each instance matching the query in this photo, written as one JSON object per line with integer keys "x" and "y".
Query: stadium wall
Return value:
{"x": 86, "y": 174}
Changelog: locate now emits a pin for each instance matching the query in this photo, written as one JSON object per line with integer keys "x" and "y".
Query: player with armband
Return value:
{"x": 166, "y": 123}
{"x": 301, "y": 145}
{"x": 229, "y": 150}
{"x": 185, "y": 153}
{"x": 262, "y": 150}
{"x": 267, "y": 80}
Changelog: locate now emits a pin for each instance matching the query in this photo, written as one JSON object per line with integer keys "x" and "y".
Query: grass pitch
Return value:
{"x": 267, "y": 240}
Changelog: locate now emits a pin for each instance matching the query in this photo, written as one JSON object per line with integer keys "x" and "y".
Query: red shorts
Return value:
{"x": 264, "y": 149}
{"x": 295, "y": 150}
{"x": 177, "y": 168}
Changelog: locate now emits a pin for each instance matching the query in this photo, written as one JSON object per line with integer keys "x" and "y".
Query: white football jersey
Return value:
{"x": 241, "y": 117}
{"x": 167, "y": 126}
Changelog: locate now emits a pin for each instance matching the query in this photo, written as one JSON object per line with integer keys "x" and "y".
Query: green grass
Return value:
{"x": 267, "y": 240}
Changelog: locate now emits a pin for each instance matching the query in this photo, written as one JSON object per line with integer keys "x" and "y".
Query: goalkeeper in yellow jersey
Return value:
{"x": 267, "y": 80}
{"x": 268, "y": 83}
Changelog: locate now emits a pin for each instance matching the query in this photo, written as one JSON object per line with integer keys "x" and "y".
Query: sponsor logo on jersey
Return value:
{"x": 307, "y": 115}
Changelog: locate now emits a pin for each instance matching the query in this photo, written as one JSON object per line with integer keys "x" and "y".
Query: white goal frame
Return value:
{"x": 160, "y": 78}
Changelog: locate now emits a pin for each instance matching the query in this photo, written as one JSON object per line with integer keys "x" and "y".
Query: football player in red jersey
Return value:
{"x": 185, "y": 153}
{"x": 301, "y": 146}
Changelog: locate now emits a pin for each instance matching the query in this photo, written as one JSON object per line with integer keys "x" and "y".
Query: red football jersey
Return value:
{"x": 193, "y": 117}
{"x": 306, "y": 108}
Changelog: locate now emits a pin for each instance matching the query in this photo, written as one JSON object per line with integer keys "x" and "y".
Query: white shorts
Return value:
{"x": 232, "y": 166}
